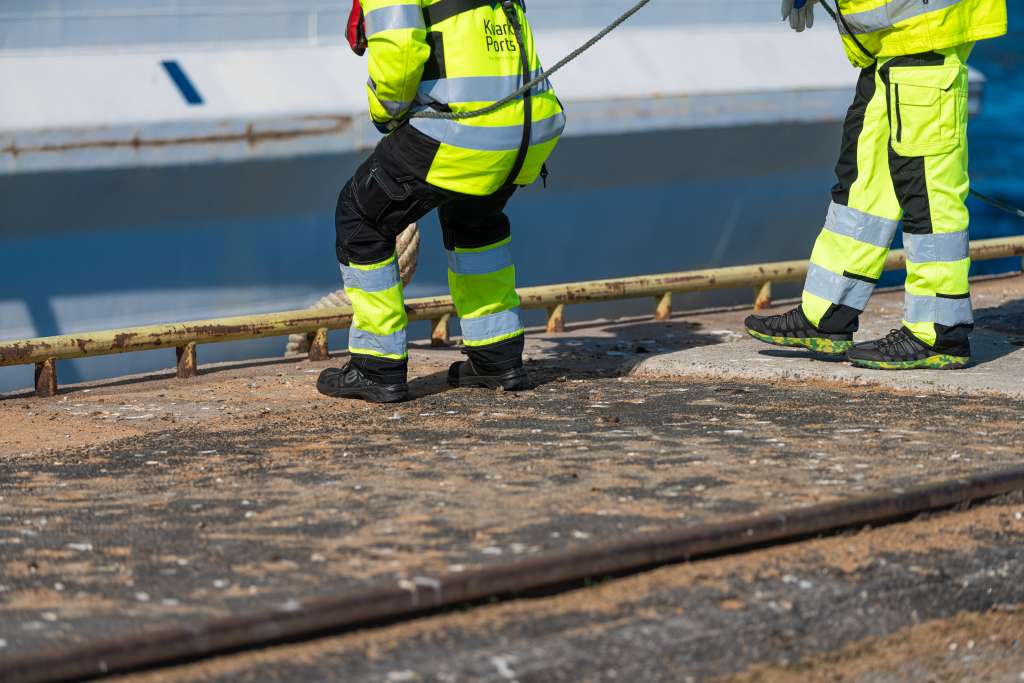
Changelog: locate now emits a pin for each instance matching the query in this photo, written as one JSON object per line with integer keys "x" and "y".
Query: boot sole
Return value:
{"x": 937, "y": 362}
{"x": 827, "y": 347}
{"x": 373, "y": 395}
{"x": 516, "y": 380}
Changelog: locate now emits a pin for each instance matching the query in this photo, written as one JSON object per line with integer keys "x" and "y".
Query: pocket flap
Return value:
{"x": 939, "y": 77}
{"x": 916, "y": 95}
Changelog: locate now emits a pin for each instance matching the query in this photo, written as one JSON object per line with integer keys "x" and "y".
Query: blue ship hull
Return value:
{"x": 103, "y": 249}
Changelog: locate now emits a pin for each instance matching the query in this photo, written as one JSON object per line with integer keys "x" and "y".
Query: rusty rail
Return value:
{"x": 413, "y": 597}
{"x": 46, "y": 351}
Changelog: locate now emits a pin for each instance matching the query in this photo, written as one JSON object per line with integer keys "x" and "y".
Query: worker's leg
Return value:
{"x": 849, "y": 254}
{"x": 929, "y": 168}
{"x": 482, "y": 279}
{"x": 928, "y": 162}
{"x": 850, "y": 251}
{"x": 373, "y": 208}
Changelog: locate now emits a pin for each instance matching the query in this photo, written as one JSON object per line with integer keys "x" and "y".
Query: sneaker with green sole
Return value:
{"x": 793, "y": 329}
{"x": 901, "y": 350}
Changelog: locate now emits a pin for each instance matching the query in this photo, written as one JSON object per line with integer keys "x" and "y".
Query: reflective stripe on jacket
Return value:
{"x": 462, "y": 63}
{"x": 905, "y": 27}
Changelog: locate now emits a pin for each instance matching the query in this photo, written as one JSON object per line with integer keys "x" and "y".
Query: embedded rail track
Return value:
{"x": 410, "y": 599}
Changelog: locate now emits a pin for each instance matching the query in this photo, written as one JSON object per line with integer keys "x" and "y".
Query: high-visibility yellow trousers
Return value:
{"x": 903, "y": 157}
{"x": 373, "y": 208}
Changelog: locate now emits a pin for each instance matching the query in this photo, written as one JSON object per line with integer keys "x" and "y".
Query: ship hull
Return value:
{"x": 99, "y": 249}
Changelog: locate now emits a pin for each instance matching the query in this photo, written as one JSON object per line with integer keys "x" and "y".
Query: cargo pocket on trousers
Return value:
{"x": 928, "y": 109}
{"x": 379, "y": 193}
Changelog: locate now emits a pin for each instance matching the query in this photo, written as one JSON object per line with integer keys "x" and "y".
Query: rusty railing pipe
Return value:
{"x": 552, "y": 297}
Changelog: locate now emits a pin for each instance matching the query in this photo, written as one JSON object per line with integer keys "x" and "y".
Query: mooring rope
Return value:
{"x": 539, "y": 79}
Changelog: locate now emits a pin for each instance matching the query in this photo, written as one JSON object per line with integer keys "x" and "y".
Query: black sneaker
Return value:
{"x": 464, "y": 374}
{"x": 901, "y": 350}
{"x": 350, "y": 382}
{"x": 793, "y": 329}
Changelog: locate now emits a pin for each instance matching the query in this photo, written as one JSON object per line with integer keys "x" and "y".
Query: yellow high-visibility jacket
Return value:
{"x": 903, "y": 27}
{"x": 429, "y": 54}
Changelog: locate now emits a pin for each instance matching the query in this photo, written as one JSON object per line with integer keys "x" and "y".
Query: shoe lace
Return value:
{"x": 790, "y": 320}
{"x": 897, "y": 343}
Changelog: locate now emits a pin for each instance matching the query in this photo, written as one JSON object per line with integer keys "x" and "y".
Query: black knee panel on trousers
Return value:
{"x": 373, "y": 208}
{"x": 472, "y": 222}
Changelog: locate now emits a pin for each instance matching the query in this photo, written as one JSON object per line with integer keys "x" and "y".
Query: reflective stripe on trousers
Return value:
{"x": 860, "y": 226}
{"x": 482, "y": 283}
{"x": 852, "y": 240}
{"x": 371, "y": 280}
{"x": 491, "y": 328}
{"x": 378, "y": 310}
{"x": 918, "y": 175}
{"x": 943, "y": 247}
{"x": 937, "y": 310}
{"x": 383, "y": 346}
{"x": 838, "y": 289}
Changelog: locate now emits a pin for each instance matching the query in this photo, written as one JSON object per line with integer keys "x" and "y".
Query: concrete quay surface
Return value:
{"x": 997, "y": 368}
{"x": 151, "y": 501}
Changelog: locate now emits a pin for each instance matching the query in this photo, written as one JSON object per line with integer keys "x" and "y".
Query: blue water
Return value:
{"x": 997, "y": 134}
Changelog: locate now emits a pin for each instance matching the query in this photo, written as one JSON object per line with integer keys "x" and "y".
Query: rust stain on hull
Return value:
{"x": 250, "y": 136}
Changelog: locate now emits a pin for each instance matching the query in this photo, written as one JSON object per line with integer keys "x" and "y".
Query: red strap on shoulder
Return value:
{"x": 355, "y": 31}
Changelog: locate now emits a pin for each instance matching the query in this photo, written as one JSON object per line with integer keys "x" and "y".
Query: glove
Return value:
{"x": 355, "y": 31}
{"x": 799, "y": 12}
{"x": 385, "y": 128}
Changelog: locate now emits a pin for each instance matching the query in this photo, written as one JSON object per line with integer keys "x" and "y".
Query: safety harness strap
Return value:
{"x": 524, "y": 64}
{"x": 446, "y": 9}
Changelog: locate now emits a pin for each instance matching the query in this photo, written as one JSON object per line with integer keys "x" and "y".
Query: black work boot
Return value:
{"x": 351, "y": 382}
{"x": 465, "y": 374}
{"x": 901, "y": 350}
{"x": 793, "y": 329}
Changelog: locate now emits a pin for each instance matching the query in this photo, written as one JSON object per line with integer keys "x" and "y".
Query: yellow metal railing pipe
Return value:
{"x": 45, "y": 351}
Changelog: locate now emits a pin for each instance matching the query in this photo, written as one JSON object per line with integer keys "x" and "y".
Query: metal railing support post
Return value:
{"x": 664, "y": 308}
{"x": 439, "y": 335}
{"x": 44, "y": 352}
{"x": 46, "y": 378}
{"x": 187, "y": 365}
{"x": 318, "y": 345}
{"x": 556, "y": 318}
{"x": 763, "y": 296}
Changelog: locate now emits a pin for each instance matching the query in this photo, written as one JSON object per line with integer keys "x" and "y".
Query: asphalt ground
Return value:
{"x": 149, "y": 501}
{"x": 937, "y": 599}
